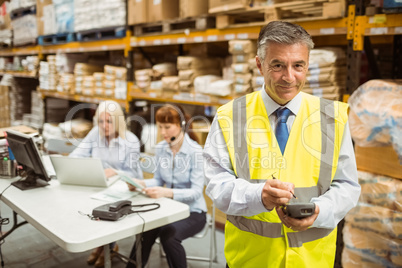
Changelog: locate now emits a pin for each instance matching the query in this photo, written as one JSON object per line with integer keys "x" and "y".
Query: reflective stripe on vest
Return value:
{"x": 304, "y": 194}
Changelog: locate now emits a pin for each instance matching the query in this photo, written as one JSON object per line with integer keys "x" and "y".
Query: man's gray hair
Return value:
{"x": 282, "y": 32}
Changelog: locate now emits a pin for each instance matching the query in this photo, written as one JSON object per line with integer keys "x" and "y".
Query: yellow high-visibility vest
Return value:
{"x": 309, "y": 162}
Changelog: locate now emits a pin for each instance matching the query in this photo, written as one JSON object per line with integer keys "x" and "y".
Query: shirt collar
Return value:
{"x": 271, "y": 106}
{"x": 185, "y": 147}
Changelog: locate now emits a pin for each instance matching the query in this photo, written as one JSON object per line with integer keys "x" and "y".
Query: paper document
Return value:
{"x": 118, "y": 191}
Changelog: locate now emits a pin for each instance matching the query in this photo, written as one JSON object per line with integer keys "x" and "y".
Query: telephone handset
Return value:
{"x": 119, "y": 205}
{"x": 112, "y": 211}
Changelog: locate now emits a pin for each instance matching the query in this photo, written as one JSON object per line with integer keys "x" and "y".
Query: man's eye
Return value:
{"x": 276, "y": 67}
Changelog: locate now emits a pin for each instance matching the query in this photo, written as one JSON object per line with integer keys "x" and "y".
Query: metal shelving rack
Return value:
{"x": 355, "y": 28}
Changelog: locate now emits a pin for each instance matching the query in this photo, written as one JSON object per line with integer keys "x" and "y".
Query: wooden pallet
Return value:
{"x": 55, "y": 39}
{"x": 301, "y": 10}
{"x": 175, "y": 26}
{"x": 306, "y": 10}
{"x": 101, "y": 34}
{"x": 245, "y": 16}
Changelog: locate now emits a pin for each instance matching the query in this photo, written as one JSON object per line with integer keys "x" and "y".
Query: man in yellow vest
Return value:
{"x": 268, "y": 147}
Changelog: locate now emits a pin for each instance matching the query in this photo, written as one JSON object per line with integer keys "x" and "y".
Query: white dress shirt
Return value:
{"x": 120, "y": 154}
{"x": 242, "y": 198}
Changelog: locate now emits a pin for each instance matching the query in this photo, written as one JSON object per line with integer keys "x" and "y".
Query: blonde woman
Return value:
{"x": 118, "y": 148}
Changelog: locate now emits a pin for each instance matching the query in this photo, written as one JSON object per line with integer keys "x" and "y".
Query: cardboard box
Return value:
{"x": 216, "y": 6}
{"x": 192, "y": 8}
{"x": 137, "y": 11}
{"x": 379, "y": 160}
{"x": 159, "y": 10}
{"x": 46, "y": 17}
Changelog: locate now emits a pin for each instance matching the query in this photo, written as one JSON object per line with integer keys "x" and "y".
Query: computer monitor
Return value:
{"x": 27, "y": 154}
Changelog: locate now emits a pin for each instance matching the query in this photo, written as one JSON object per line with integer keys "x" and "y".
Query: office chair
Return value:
{"x": 213, "y": 251}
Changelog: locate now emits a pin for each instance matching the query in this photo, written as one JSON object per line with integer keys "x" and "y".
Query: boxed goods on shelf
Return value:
{"x": 143, "y": 78}
{"x": 162, "y": 10}
{"x": 80, "y": 71}
{"x": 242, "y": 51}
{"x": 327, "y": 73}
{"x": 116, "y": 77}
{"x": 137, "y": 11}
{"x": 19, "y": 97}
{"x": 170, "y": 86}
{"x": 191, "y": 8}
{"x": 46, "y": 17}
{"x": 216, "y": 6}
{"x": 4, "y": 106}
{"x": 190, "y": 67}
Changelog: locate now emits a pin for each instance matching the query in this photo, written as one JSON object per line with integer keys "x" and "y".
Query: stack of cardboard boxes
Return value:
{"x": 4, "y": 106}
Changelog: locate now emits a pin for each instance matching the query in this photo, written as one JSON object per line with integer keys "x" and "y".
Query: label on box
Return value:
{"x": 398, "y": 30}
{"x": 212, "y": 38}
{"x": 166, "y": 41}
{"x": 157, "y": 42}
{"x": 379, "y": 30}
{"x": 242, "y": 36}
{"x": 198, "y": 39}
{"x": 181, "y": 40}
{"x": 327, "y": 30}
{"x": 229, "y": 36}
{"x": 157, "y": 2}
{"x": 317, "y": 92}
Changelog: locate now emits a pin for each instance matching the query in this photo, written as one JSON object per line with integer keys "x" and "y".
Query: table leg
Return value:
{"x": 106, "y": 252}
{"x": 139, "y": 250}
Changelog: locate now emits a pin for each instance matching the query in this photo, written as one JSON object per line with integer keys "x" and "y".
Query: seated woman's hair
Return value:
{"x": 117, "y": 115}
{"x": 174, "y": 114}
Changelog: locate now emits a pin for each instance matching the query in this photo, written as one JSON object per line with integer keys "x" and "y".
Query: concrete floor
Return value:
{"x": 26, "y": 247}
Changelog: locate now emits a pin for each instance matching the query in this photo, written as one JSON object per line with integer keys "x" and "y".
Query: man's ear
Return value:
{"x": 259, "y": 64}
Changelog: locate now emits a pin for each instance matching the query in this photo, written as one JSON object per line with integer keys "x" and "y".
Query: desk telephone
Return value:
{"x": 113, "y": 211}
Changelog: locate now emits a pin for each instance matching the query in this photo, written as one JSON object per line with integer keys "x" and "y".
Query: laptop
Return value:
{"x": 81, "y": 171}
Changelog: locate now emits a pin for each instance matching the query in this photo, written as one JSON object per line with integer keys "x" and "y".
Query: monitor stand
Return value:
{"x": 30, "y": 182}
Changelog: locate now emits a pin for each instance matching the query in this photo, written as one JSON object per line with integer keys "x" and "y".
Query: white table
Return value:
{"x": 53, "y": 210}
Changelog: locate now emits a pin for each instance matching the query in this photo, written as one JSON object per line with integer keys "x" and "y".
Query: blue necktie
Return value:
{"x": 281, "y": 130}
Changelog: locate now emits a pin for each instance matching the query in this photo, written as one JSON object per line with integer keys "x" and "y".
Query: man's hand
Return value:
{"x": 109, "y": 172}
{"x": 276, "y": 193}
{"x": 298, "y": 224}
{"x": 158, "y": 192}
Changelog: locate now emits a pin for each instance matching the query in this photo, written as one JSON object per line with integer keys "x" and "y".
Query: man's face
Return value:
{"x": 284, "y": 70}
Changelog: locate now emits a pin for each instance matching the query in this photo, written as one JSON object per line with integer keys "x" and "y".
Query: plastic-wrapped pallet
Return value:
{"x": 327, "y": 73}
{"x": 25, "y": 29}
{"x": 5, "y": 25}
{"x": 64, "y": 14}
{"x": 372, "y": 232}
{"x": 17, "y": 4}
{"x": 376, "y": 115}
{"x": 99, "y": 14}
